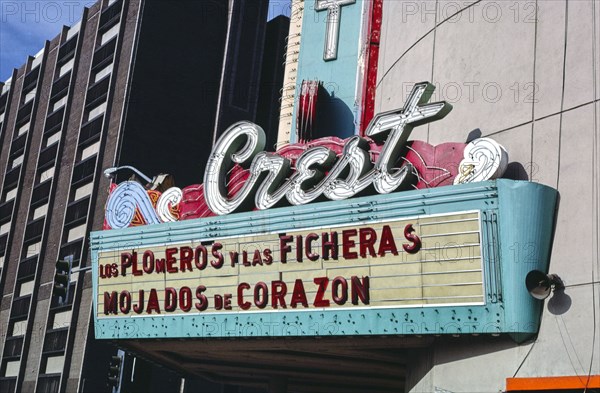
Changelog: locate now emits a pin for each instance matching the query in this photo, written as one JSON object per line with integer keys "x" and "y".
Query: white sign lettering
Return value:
{"x": 332, "y": 34}
{"x": 352, "y": 173}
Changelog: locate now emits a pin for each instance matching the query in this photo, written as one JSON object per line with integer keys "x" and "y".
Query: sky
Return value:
{"x": 25, "y": 25}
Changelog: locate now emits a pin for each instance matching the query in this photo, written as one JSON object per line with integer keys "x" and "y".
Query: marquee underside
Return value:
{"x": 305, "y": 364}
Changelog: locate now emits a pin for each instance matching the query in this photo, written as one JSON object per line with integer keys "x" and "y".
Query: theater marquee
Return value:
{"x": 450, "y": 260}
{"x": 372, "y": 235}
{"x": 418, "y": 261}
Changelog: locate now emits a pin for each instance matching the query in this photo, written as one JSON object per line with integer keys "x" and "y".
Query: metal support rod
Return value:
{"x": 82, "y": 269}
{"x": 108, "y": 172}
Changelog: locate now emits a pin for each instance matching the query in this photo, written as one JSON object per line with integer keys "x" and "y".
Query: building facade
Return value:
{"x": 424, "y": 289}
{"x": 523, "y": 74}
{"x": 133, "y": 81}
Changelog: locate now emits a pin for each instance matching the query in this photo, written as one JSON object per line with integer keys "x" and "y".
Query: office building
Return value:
{"x": 131, "y": 84}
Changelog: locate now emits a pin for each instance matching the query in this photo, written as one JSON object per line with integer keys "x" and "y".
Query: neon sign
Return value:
{"x": 382, "y": 162}
{"x": 332, "y": 35}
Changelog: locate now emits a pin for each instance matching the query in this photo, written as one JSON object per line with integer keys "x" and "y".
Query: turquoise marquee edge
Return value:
{"x": 515, "y": 215}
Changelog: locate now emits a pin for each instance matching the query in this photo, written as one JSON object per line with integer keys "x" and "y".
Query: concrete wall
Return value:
{"x": 527, "y": 74}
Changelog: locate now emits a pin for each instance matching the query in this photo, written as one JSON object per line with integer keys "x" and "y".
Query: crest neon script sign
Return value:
{"x": 268, "y": 170}
{"x": 273, "y": 178}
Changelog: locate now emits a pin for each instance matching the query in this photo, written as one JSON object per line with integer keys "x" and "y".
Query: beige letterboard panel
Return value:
{"x": 447, "y": 269}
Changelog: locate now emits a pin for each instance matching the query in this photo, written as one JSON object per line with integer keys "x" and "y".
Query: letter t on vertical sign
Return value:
{"x": 332, "y": 35}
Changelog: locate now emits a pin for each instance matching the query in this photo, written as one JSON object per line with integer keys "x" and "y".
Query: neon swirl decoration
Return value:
{"x": 122, "y": 204}
{"x": 484, "y": 159}
{"x": 166, "y": 202}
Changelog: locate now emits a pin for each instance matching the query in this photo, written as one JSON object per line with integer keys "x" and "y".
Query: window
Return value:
{"x": 110, "y": 34}
{"x": 23, "y": 129}
{"x": 26, "y": 288}
{"x": 37, "y": 59}
{"x": 62, "y": 319}
{"x": 33, "y": 249}
{"x": 17, "y": 161}
{"x": 103, "y": 72}
{"x": 53, "y": 139}
{"x": 68, "y": 66}
{"x": 40, "y": 212}
{"x": 90, "y": 151}
{"x": 73, "y": 30}
{"x": 47, "y": 175}
{"x": 10, "y": 195}
{"x": 1, "y": 261}
{"x": 1, "y": 117}
{"x": 5, "y": 228}
{"x": 97, "y": 111}
{"x": 83, "y": 191}
{"x": 6, "y": 86}
{"x": 12, "y": 368}
{"x": 18, "y": 328}
{"x": 29, "y": 96}
{"x": 76, "y": 233}
{"x": 54, "y": 365}
{"x": 60, "y": 103}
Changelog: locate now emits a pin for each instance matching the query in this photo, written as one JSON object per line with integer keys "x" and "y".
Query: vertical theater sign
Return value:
{"x": 368, "y": 235}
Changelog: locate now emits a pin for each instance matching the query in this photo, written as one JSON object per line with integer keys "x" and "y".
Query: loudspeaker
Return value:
{"x": 540, "y": 284}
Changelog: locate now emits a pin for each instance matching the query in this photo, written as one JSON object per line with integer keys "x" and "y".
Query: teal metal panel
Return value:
{"x": 514, "y": 215}
{"x": 526, "y": 214}
{"x": 339, "y": 76}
